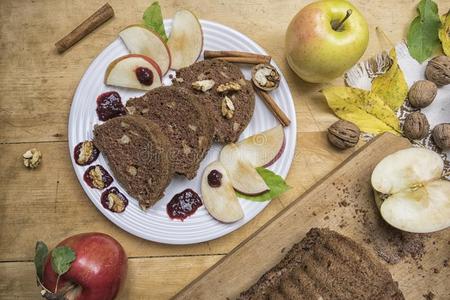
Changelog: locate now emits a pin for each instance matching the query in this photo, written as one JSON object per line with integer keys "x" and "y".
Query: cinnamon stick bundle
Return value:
{"x": 102, "y": 15}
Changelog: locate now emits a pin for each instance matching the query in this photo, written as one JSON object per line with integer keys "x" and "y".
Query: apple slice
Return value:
{"x": 416, "y": 198}
{"x": 243, "y": 175}
{"x": 186, "y": 39}
{"x": 134, "y": 71}
{"x": 221, "y": 202}
{"x": 263, "y": 149}
{"x": 142, "y": 40}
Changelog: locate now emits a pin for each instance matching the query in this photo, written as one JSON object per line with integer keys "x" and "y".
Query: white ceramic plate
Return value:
{"x": 154, "y": 224}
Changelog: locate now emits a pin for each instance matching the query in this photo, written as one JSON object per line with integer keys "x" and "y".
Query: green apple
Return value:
{"x": 325, "y": 39}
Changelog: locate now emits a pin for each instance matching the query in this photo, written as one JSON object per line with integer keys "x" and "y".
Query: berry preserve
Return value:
{"x": 144, "y": 75}
{"x": 183, "y": 205}
{"x": 97, "y": 177}
{"x": 109, "y": 105}
{"x": 114, "y": 200}
{"x": 215, "y": 178}
{"x": 85, "y": 153}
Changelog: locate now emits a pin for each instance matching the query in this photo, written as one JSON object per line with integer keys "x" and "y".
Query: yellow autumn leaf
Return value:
{"x": 391, "y": 87}
{"x": 363, "y": 108}
{"x": 444, "y": 33}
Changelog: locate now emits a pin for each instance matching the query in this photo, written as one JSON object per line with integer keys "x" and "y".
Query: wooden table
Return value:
{"x": 36, "y": 91}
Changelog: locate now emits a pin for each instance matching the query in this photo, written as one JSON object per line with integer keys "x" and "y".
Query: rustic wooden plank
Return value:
{"x": 319, "y": 207}
{"x": 38, "y": 84}
{"x": 148, "y": 278}
{"x": 49, "y": 204}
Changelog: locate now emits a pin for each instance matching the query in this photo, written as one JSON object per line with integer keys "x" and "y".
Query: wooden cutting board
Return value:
{"x": 342, "y": 201}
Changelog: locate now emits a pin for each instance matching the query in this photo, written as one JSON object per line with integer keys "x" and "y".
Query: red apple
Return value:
{"x": 97, "y": 272}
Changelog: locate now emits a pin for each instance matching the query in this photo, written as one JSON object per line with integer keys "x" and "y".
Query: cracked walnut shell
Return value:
{"x": 343, "y": 134}
{"x": 32, "y": 158}
{"x": 416, "y": 126}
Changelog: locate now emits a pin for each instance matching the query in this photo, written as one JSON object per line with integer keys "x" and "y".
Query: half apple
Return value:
{"x": 221, "y": 201}
{"x": 264, "y": 148}
{"x": 243, "y": 175}
{"x": 185, "y": 40}
{"x": 134, "y": 71}
{"x": 142, "y": 40}
{"x": 410, "y": 191}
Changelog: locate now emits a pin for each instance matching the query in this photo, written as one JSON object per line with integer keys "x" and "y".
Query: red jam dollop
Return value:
{"x": 114, "y": 200}
{"x": 215, "y": 178}
{"x": 109, "y": 105}
{"x": 144, "y": 75}
{"x": 85, "y": 153}
{"x": 184, "y": 205}
{"x": 97, "y": 177}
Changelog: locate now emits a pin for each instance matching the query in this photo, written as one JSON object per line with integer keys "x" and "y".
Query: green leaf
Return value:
{"x": 275, "y": 182}
{"x": 423, "y": 37}
{"x": 62, "y": 258}
{"x": 444, "y": 33}
{"x": 40, "y": 256}
{"x": 153, "y": 19}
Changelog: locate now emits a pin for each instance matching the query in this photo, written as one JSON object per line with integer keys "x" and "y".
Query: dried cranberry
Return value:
{"x": 144, "y": 75}
{"x": 109, "y": 105}
{"x": 184, "y": 204}
{"x": 215, "y": 178}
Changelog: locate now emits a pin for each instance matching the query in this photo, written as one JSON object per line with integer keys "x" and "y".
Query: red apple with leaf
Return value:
{"x": 86, "y": 266}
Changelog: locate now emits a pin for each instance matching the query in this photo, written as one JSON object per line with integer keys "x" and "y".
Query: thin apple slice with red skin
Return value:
{"x": 186, "y": 39}
{"x": 142, "y": 40}
{"x": 265, "y": 148}
{"x": 122, "y": 72}
{"x": 221, "y": 202}
{"x": 243, "y": 175}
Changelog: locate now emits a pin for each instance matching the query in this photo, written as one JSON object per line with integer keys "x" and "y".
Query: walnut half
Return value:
{"x": 32, "y": 158}
{"x": 227, "y": 108}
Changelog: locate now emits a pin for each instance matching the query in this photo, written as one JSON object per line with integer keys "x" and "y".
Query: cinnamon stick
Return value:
{"x": 245, "y": 60}
{"x": 218, "y": 54}
{"x": 273, "y": 106}
{"x": 103, "y": 14}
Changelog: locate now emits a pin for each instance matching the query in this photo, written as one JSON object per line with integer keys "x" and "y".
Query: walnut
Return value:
{"x": 265, "y": 77}
{"x": 416, "y": 126}
{"x": 203, "y": 85}
{"x": 132, "y": 170}
{"x": 228, "y": 87}
{"x": 422, "y": 93}
{"x": 96, "y": 175}
{"x": 32, "y": 158}
{"x": 441, "y": 136}
{"x": 124, "y": 125}
{"x": 116, "y": 203}
{"x": 86, "y": 152}
{"x": 236, "y": 126}
{"x": 227, "y": 108}
{"x": 186, "y": 148}
{"x": 438, "y": 70}
{"x": 125, "y": 139}
{"x": 131, "y": 111}
{"x": 343, "y": 134}
{"x": 192, "y": 127}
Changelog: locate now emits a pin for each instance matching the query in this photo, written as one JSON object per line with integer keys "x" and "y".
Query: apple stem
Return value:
{"x": 57, "y": 281}
{"x": 339, "y": 25}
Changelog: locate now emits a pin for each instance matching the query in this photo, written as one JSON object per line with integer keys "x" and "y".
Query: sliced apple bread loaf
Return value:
{"x": 138, "y": 154}
{"x": 183, "y": 119}
{"x": 222, "y": 88}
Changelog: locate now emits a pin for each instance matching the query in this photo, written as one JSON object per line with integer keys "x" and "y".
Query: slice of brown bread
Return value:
{"x": 183, "y": 119}
{"x": 221, "y": 72}
{"x": 137, "y": 152}
{"x": 326, "y": 265}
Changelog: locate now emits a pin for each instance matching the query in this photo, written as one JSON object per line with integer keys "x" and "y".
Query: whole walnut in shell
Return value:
{"x": 422, "y": 93}
{"x": 438, "y": 70}
{"x": 441, "y": 136}
{"x": 343, "y": 134}
{"x": 416, "y": 126}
